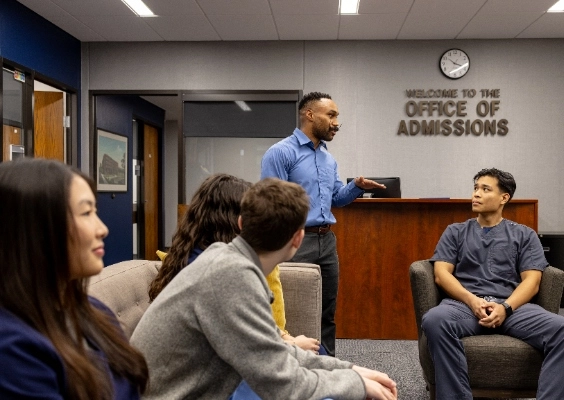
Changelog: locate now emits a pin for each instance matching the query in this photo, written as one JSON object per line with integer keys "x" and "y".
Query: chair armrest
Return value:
{"x": 424, "y": 291}
{"x": 550, "y": 290}
{"x": 301, "y": 287}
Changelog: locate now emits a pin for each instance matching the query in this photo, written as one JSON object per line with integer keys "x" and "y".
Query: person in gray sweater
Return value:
{"x": 212, "y": 327}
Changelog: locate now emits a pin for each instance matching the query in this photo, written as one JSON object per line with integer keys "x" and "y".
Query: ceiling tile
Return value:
{"x": 447, "y": 8}
{"x": 497, "y": 26}
{"x": 75, "y": 28}
{"x": 550, "y": 25}
{"x": 94, "y": 7}
{"x": 370, "y": 26}
{"x": 235, "y": 7}
{"x": 307, "y": 7}
{"x": 183, "y": 28}
{"x": 438, "y": 19}
{"x": 95, "y": 20}
{"x": 43, "y": 7}
{"x": 512, "y": 6}
{"x": 244, "y": 27}
{"x": 174, "y": 7}
{"x": 384, "y": 6}
{"x": 307, "y": 27}
{"x": 122, "y": 29}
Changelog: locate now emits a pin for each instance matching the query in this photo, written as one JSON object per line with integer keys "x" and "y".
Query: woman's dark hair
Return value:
{"x": 211, "y": 217}
{"x": 505, "y": 180}
{"x": 35, "y": 279}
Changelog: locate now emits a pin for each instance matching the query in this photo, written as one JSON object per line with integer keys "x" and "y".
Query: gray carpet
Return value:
{"x": 398, "y": 358}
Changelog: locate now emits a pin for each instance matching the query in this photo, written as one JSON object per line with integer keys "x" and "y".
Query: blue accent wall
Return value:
{"x": 114, "y": 113}
{"x": 37, "y": 44}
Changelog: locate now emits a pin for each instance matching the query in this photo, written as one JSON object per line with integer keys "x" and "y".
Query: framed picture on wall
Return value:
{"x": 111, "y": 165}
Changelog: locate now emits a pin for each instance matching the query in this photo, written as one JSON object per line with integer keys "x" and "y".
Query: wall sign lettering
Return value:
{"x": 445, "y": 113}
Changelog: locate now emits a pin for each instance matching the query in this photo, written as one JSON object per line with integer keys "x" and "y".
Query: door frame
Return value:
{"x": 71, "y": 93}
{"x": 141, "y": 123}
{"x": 93, "y": 151}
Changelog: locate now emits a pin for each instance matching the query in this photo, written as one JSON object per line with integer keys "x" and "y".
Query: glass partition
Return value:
{"x": 211, "y": 155}
{"x": 230, "y": 132}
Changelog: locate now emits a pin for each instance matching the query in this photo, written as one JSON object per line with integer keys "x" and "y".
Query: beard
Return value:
{"x": 324, "y": 133}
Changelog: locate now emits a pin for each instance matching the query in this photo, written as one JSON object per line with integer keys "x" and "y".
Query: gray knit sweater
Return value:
{"x": 212, "y": 326}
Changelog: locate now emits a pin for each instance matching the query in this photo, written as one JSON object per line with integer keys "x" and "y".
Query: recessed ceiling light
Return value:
{"x": 139, "y": 8}
{"x": 244, "y": 106}
{"x": 558, "y": 7}
{"x": 348, "y": 6}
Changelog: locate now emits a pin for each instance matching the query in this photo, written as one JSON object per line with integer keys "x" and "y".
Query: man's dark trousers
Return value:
{"x": 322, "y": 250}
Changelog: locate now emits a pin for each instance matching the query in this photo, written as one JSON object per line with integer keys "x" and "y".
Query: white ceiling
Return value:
{"x": 205, "y": 20}
{"x": 210, "y": 20}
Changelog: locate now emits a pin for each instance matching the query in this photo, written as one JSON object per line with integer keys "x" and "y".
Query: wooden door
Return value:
{"x": 151, "y": 190}
{"x": 49, "y": 133}
{"x": 11, "y": 135}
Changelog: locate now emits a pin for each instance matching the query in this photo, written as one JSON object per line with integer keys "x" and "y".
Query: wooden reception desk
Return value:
{"x": 377, "y": 240}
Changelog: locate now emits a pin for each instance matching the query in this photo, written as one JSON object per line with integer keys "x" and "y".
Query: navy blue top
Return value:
{"x": 294, "y": 159}
{"x": 489, "y": 263}
{"x": 196, "y": 251}
{"x": 31, "y": 368}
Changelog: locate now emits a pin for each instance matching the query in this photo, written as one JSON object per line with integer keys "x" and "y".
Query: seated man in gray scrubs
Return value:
{"x": 490, "y": 268}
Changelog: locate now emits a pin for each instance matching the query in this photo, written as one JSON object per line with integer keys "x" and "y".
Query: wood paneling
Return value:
{"x": 11, "y": 135}
{"x": 151, "y": 190}
{"x": 49, "y": 132}
{"x": 181, "y": 211}
{"x": 377, "y": 240}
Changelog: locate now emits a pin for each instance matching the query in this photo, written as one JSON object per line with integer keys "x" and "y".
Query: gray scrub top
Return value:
{"x": 490, "y": 263}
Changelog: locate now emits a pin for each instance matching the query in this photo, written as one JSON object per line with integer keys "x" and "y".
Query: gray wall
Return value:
{"x": 170, "y": 168}
{"x": 368, "y": 79}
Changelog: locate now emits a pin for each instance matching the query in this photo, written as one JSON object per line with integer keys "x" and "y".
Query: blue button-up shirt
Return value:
{"x": 295, "y": 159}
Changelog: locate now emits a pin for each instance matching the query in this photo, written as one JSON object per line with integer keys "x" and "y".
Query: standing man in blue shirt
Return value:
{"x": 490, "y": 268}
{"x": 303, "y": 158}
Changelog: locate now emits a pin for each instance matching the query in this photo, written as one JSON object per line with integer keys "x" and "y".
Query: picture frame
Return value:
{"x": 112, "y": 162}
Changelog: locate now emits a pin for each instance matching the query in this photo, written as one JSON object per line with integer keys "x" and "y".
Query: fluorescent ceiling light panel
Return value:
{"x": 558, "y": 7}
{"x": 348, "y": 6}
{"x": 244, "y": 106}
{"x": 139, "y": 8}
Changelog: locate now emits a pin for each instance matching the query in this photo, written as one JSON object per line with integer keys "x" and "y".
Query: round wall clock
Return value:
{"x": 454, "y": 63}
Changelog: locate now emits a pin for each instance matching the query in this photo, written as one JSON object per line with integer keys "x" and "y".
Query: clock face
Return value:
{"x": 454, "y": 63}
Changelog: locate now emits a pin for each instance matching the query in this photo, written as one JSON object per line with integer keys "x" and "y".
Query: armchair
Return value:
{"x": 487, "y": 355}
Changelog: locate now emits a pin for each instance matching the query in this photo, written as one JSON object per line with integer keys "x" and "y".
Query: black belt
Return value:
{"x": 319, "y": 229}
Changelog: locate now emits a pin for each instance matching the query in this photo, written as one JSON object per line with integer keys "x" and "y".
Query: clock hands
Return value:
{"x": 455, "y": 63}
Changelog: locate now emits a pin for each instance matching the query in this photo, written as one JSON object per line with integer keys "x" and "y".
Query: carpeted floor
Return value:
{"x": 398, "y": 358}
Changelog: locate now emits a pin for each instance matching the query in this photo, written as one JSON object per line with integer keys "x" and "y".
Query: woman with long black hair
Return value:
{"x": 55, "y": 341}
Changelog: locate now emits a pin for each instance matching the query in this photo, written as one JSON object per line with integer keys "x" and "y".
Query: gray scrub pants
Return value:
{"x": 451, "y": 320}
{"x": 322, "y": 250}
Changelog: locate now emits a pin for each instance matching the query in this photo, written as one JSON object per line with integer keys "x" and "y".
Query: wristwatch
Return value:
{"x": 508, "y": 310}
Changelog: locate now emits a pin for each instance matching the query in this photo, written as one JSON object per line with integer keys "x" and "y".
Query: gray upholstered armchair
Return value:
{"x": 498, "y": 365}
{"x": 124, "y": 288}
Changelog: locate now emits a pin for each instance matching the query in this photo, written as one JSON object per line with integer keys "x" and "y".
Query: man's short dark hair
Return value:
{"x": 505, "y": 180}
{"x": 272, "y": 211}
{"x": 310, "y": 98}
